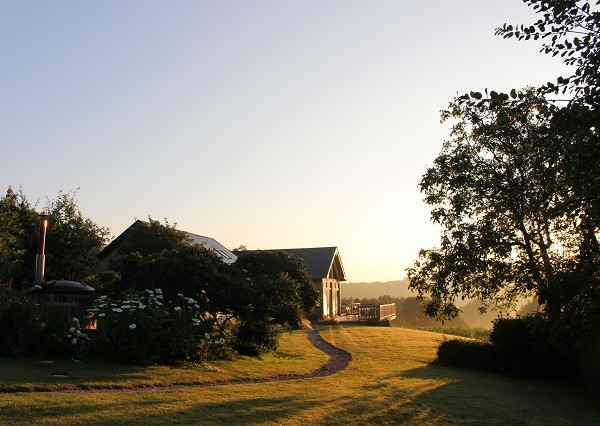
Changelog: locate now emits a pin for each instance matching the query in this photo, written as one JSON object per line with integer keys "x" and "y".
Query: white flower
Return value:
{"x": 72, "y": 330}
{"x": 222, "y": 341}
{"x": 158, "y": 290}
{"x": 177, "y": 308}
{"x": 76, "y": 320}
{"x": 132, "y": 326}
{"x": 101, "y": 314}
{"x": 119, "y": 310}
{"x": 73, "y": 341}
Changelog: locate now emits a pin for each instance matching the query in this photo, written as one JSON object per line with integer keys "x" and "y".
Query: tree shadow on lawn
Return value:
{"x": 77, "y": 411}
{"x": 440, "y": 395}
{"x": 230, "y": 411}
{"x": 490, "y": 398}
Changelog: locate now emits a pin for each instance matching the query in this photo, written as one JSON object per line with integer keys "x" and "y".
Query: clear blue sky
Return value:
{"x": 272, "y": 124}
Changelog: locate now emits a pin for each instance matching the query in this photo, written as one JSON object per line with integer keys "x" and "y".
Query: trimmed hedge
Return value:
{"x": 519, "y": 346}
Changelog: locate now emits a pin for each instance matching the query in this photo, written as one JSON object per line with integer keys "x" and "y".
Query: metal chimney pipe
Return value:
{"x": 40, "y": 260}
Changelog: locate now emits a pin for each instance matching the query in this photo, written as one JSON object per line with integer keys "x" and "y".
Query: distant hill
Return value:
{"x": 376, "y": 289}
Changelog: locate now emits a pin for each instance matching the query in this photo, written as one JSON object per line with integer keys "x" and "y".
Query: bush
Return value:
{"x": 254, "y": 338}
{"x": 27, "y": 331}
{"x": 145, "y": 329}
{"x": 466, "y": 354}
{"x": 588, "y": 361}
{"x": 525, "y": 346}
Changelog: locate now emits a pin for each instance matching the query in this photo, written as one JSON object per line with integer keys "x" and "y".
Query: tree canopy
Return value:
{"x": 515, "y": 188}
{"x": 570, "y": 30}
{"x": 72, "y": 240}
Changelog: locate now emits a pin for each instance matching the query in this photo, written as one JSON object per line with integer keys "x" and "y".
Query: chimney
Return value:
{"x": 40, "y": 260}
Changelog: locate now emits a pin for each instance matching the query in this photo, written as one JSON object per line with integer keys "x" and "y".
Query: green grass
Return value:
{"x": 472, "y": 332}
{"x": 389, "y": 381}
{"x": 294, "y": 356}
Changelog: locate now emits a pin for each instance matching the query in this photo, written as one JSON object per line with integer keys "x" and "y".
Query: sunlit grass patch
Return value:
{"x": 389, "y": 381}
{"x": 471, "y": 332}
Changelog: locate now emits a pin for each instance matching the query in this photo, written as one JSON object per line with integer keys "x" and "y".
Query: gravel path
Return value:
{"x": 338, "y": 361}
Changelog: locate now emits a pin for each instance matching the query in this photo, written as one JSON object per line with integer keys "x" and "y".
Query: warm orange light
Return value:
{"x": 91, "y": 322}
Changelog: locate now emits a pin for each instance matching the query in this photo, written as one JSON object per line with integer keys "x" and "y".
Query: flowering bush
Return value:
{"x": 144, "y": 328}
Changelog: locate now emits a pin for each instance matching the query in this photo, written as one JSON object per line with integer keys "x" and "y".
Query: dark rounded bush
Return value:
{"x": 466, "y": 354}
{"x": 525, "y": 346}
{"x": 255, "y": 338}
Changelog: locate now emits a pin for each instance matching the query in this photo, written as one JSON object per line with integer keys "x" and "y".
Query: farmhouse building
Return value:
{"x": 326, "y": 269}
{"x": 324, "y": 265}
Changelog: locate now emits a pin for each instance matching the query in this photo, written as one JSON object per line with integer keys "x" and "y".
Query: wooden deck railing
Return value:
{"x": 370, "y": 312}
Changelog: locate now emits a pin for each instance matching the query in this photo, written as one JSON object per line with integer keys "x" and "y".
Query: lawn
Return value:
{"x": 389, "y": 381}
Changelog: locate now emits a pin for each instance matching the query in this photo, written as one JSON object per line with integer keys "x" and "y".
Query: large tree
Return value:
{"x": 570, "y": 30}
{"x": 279, "y": 288}
{"x": 72, "y": 240}
{"x": 516, "y": 188}
{"x": 493, "y": 190}
{"x": 17, "y": 240}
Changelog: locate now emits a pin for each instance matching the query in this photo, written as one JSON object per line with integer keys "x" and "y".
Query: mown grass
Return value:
{"x": 389, "y": 381}
{"x": 472, "y": 332}
{"x": 294, "y": 356}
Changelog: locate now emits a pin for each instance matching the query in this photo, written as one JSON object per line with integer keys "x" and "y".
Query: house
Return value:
{"x": 111, "y": 251}
{"x": 324, "y": 265}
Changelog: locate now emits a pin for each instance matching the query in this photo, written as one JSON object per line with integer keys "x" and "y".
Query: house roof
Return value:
{"x": 321, "y": 262}
{"x": 207, "y": 242}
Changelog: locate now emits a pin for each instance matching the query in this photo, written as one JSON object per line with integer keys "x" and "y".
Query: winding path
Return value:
{"x": 338, "y": 361}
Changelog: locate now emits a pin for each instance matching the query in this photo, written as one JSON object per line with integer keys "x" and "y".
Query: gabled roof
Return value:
{"x": 207, "y": 242}
{"x": 321, "y": 262}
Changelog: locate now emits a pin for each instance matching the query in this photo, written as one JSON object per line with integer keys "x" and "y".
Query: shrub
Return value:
{"x": 254, "y": 338}
{"x": 28, "y": 331}
{"x": 466, "y": 354}
{"x": 525, "y": 346}
{"x": 144, "y": 329}
{"x": 588, "y": 360}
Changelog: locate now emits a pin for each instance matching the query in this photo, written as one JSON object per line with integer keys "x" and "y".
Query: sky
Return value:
{"x": 272, "y": 124}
